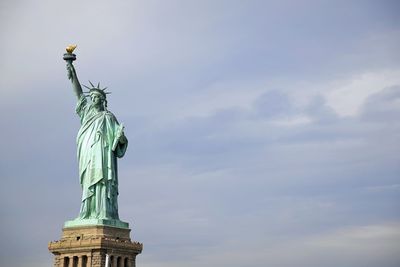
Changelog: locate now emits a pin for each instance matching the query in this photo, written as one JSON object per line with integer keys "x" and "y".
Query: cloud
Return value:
{"x": 273, "y": 104}
{"x": 366, "y": 245}
{"x": 383, "y": 106}
{"x": 348, "y": 98}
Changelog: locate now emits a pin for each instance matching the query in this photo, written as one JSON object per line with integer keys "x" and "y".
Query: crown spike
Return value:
{"x": 98, "y": 89}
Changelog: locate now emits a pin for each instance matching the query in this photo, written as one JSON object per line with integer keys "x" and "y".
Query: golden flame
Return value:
{"x": 70, "y": 48}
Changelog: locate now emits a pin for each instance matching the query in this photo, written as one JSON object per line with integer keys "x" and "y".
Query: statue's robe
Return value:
{"x": 99, "y": 132}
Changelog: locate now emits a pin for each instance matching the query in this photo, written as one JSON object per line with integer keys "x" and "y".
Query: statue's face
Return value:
{"x": 97, "y": 99}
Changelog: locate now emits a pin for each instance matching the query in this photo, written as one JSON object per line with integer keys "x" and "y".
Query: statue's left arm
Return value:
{"x": 123, "y": 140}
{"x": 120, "y": 142}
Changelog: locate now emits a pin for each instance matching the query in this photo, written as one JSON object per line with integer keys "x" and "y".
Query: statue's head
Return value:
{"x": 97, "y": 95}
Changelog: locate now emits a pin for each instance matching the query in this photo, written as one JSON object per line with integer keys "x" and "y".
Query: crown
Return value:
{"x": 97, "y": 89}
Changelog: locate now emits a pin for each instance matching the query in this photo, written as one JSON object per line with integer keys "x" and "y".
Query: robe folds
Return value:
{"x": 98, "y": 148}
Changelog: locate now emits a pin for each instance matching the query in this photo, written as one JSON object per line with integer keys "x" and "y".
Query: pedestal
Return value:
{"x": 87, "y": 246}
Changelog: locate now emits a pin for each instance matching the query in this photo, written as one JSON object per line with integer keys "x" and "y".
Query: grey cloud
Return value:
{"x": 273, "y": 104}
{"x": 318, "y": 110}
{"x": 383, "y": 106}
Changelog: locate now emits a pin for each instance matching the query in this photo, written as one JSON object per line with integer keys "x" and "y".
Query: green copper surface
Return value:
{"x": 100, "y": 142}
{"x": 86, "y": 222}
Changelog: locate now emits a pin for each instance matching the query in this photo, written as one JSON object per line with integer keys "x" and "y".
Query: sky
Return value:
{"x": 261, "y": 133}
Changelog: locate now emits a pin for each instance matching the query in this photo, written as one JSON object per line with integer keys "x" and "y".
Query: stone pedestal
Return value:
{"x": 87, "y": 246}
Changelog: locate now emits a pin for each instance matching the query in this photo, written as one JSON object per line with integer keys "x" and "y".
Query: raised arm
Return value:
{"x": 71, "y": 73}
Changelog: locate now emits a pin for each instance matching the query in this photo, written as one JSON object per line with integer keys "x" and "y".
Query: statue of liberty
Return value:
{"x": 100, "y": 141}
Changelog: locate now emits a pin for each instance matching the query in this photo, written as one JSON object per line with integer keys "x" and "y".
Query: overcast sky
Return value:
{"x": 261, "y": 133}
